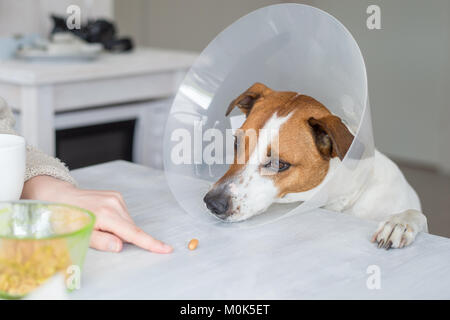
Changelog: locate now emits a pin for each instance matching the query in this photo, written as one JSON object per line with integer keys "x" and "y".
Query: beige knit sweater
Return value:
{"x": 38, "y": 163}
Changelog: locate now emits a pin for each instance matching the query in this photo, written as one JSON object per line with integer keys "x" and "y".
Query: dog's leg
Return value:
{"x": 400, "y": 230}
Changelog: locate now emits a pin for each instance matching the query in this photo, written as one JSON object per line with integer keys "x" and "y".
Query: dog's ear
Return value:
{"x": 247, "y": 99}
{"x": 331, "y": 135}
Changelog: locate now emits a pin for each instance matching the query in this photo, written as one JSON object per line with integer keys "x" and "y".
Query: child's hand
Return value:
{"x": 113, "y": 224}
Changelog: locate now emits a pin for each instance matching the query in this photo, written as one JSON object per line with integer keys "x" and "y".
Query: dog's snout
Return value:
{"x": 217, "y": 203}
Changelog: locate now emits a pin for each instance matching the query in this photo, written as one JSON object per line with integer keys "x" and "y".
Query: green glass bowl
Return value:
{"x": 38, "y": 240}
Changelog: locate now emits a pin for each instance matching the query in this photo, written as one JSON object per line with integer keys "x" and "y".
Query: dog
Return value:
{"x": 312, "y": 143}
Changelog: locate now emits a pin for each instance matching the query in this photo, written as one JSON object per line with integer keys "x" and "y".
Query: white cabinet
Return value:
{"x": 150, "y": 119}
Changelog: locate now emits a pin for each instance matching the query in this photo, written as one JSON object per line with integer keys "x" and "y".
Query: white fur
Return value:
{"x": 251, "y": 191}
{"x": 386, "y": 196}
{"x": 389, "y": 198}
{"x": 400, "y": 229}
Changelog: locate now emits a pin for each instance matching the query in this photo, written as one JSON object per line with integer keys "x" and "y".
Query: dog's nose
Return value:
{"x": 217, "y": 203}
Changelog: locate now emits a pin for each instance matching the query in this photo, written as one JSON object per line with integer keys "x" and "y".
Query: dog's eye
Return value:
{"x": 277, "y": 165}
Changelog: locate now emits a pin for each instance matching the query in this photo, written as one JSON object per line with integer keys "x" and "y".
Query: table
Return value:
{"x": 319, "y": 254}
{"x": 40, "y": 89}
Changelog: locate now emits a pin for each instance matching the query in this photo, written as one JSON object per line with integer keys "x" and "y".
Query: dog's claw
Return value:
{"x": 397, "y": 231}
{"x": 388, "y": 245}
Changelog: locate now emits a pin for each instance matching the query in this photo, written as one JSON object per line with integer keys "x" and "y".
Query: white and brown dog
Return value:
{"x": 312, "y": 142}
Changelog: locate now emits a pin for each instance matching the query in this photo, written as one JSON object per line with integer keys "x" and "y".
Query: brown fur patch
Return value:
{"x": 298, "y": 144}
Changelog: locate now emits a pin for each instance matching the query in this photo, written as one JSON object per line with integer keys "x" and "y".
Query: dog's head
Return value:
{"x": 283, "y": 151}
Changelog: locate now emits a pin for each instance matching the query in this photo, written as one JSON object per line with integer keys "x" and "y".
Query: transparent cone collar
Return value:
{"x": 286, "y": 47}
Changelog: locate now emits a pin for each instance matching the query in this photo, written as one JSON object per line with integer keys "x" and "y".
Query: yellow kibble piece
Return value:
{"x": 193, "y": 244}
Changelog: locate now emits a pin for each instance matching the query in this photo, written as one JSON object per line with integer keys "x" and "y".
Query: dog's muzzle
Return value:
{"x": 218, "y": 203}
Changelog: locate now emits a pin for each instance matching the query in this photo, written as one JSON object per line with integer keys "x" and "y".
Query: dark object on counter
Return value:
{"x": 95, "y": 31}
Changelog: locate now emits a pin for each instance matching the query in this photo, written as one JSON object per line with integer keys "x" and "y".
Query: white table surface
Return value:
{"x": 319, "y": 254}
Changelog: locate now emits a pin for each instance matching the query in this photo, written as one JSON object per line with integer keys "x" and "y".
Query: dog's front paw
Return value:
{"x": 399, "y": 230}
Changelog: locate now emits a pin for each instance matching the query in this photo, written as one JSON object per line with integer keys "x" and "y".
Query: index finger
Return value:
{"x": 129, "y": 232}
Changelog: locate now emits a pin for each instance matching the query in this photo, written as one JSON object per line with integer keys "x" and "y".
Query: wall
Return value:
{"x": 32, "y": 16}
{"x": 408, "y": 63}
{"x": 180, "y": 24}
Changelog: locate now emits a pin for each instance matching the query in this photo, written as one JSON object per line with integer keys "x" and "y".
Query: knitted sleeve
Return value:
{"x": 38, "y": 163}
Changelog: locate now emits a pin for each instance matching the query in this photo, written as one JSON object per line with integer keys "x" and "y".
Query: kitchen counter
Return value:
{"x": 40, "y": 91}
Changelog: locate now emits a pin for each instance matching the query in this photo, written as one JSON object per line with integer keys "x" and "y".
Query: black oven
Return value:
{"x": 84, "y": 146}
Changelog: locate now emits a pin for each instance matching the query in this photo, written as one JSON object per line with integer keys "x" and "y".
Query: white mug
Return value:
{"x": 12, "y": 166}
